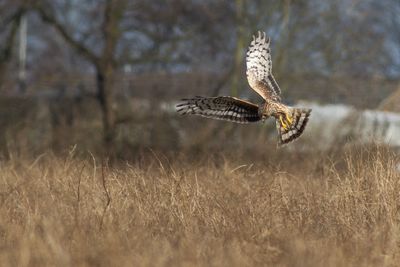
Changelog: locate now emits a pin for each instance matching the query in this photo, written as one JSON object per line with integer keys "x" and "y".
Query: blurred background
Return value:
{"x": 105, "y": 75}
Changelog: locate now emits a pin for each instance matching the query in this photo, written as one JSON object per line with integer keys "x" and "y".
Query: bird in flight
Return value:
{"x": 290, "y": 122}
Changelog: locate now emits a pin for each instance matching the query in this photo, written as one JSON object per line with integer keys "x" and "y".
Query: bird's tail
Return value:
{"x": 291, "y": 128}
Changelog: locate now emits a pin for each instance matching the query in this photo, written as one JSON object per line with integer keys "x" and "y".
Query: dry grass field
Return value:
{"x": 340, "y": 208}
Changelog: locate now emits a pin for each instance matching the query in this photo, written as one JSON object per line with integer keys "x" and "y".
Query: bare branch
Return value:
{"x": 80, "y": 47}
{"x": 6, "y": 51}
{"x": 113, "y": 13}
{"x": 15, "y": 16}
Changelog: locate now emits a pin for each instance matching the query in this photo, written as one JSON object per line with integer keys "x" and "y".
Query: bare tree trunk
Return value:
{"x": 6, "y": 51}
{"x": 5, "y": 56}
{"x": 104, "y": 63}
{"x": 104, "y": 79}
{"x": 105, "y": 70}
{"x": 240, "y": 17}
{"x": 281, "y": 58}
{"x": 22, "y": 43}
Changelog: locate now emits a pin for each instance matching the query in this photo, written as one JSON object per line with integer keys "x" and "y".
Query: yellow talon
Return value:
{"x": 285, "y": 126}
{"x": 289, "y": 119}
{"x": 287, "y": 122}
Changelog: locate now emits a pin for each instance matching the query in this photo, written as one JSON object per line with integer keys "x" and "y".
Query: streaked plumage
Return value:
{"x": 290, "y": 122}
{"x": 220, "y": 108}
{"x": 259, "y": 68}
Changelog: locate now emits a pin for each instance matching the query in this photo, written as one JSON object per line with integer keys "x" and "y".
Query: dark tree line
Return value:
{"x": 105, "y": 37}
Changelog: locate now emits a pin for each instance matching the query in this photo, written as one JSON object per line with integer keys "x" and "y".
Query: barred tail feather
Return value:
{"x": 299, "y": 121}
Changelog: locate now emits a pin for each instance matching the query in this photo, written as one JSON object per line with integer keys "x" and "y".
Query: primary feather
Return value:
{"x": 222, "y": 108}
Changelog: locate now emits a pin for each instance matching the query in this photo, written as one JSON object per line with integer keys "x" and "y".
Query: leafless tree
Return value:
{"x": 103, "y": 61}
{"x": 160, "y": 29}
{"x": 10, "y": 24}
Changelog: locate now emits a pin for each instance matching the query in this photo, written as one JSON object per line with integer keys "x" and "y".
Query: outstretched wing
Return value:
{"x": 259, "y": 67}
{"x": 220, "y": 108}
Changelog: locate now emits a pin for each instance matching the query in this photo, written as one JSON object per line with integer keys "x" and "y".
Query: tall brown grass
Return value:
{"x": 285, "y": 209}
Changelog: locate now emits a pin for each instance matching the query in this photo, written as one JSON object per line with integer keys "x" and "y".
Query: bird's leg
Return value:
{"x": 285, "y": 126}
{"x": 288, "y": 119}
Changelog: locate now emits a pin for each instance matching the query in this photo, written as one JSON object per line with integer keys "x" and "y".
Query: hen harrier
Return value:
{"x": 290, "y": 122}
